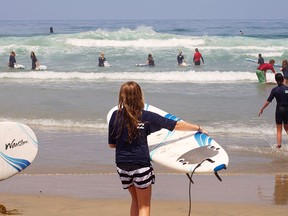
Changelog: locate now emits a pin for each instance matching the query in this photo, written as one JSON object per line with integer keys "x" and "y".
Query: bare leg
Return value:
{"x": 279, "y": 134}
{"x": 144, "y": 200}
{"x": 134, "y": 209}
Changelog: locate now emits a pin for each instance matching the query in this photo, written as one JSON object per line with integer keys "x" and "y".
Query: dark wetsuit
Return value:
{"x": 180, "y": 59}
{"x": 285, "y": 72}
{"x": 12, "y": 61}
{"x": 260, "y": 60}
{"x": 101, "y": 61}
{"x": 34, "y": 60}
{"x": 151, "y": 62}
{"x": 280, "y": 92}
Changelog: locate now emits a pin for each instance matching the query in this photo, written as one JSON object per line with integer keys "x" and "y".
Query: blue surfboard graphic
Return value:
{"x": 16, "y": 163}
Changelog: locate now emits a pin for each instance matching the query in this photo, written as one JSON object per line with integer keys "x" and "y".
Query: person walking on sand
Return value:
{"x": 128, "y": 129}
{"x": 280, "y": 92}
{"x": 197, "y": 57}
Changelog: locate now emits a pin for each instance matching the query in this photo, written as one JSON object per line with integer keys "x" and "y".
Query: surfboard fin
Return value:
{"x": 218, "y": 177}
{"x": 220, "y": 167}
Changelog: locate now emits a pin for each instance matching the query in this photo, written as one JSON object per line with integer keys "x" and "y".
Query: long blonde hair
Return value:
{"x": 130, "y": 106}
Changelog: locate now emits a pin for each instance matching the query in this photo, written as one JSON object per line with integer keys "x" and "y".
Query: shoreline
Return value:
{"x": 84, "y": 194}
{"x": 250, "y": 188}
{"x": 34, "y": 195}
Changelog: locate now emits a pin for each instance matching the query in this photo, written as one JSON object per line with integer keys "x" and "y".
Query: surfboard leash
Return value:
{"x": 192, "y": 182}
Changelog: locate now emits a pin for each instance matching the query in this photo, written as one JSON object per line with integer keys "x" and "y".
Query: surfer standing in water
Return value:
{"x": 284, "y": 70}
{"x": 150, "y": 60}
{"x": 261, "y": 70}
{"x": 101, "y": 60}
{"x": 180, "y": 59}
{"x": 197, "y": 57}
{"x": 260, "y": 59}
{"x": 35, "y": 62}
{"x": 12, "y": 59}
{"x": 279, "y": 92}
{"x": 129, "y": 127}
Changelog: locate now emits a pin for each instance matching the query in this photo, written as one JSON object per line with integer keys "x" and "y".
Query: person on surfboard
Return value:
{"x": 128, "y": 129}
{"x": 280, "y": 92}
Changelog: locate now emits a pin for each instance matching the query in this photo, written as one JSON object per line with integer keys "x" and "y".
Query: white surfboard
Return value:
{"x": 141, "y": 65}
{"x": 256, "y": 61}
{"x": 106, "y": 64}
{"x": 184, "y": 64}
{"x": 41, "y": 67}
{"x": 19, "y": 66}
{"x": 184, "y": 151}
{"x": 18, "y": 148}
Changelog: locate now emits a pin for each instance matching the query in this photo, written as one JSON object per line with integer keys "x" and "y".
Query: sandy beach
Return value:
{"x": 101, "y": 194}
{"x": 66, "y": 106}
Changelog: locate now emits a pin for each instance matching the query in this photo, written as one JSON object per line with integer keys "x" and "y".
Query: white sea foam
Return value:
{"x": 154, "y": 43}
{"x": 164, "y": 77}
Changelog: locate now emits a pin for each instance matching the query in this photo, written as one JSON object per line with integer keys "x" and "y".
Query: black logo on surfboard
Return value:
{"x": 15, "y": 144}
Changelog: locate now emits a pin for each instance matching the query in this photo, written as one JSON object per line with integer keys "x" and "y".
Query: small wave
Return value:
{"x": 65, "y": 124}
{"x": 153, "y": 43}
{"x": 159, "y": 77}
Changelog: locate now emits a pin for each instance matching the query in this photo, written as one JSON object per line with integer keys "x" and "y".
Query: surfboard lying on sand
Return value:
{"x": 19, "y": 66}
{"x": 256, "y": 61}
{"x": 184, "y": 151}
{"x": 18, "y": 148}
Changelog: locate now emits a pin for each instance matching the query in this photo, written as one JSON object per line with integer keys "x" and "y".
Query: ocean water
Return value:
{"x": 67, "y": 104}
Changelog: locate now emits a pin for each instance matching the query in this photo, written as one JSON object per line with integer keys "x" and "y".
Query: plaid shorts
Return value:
{"x": 140, "y": 178}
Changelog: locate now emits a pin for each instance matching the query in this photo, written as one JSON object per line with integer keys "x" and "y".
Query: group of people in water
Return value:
{"x": 102, "y": 62}
{"x": 280, "y": 92}
{"x": 196, "y": 58}
{"x": 150, "y": 60}
{"x": 13, "y": 64}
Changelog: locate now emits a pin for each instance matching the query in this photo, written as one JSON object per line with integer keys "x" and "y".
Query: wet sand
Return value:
{"x": 102, "y": 195}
